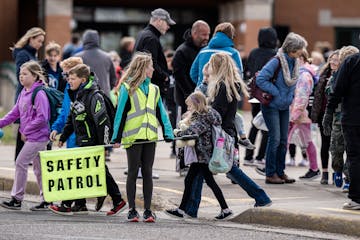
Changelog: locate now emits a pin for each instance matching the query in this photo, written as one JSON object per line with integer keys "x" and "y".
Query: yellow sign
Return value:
{"x": 73, "y": 173}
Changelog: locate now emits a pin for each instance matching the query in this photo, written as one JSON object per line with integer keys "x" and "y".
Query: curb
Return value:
{"x": 287, "y": 219}
{"x": 31, "y": 186}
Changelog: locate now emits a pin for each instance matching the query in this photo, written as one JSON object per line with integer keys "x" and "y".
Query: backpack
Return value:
{"x": 222, "y": 158}
{"x": 55, "y": 98}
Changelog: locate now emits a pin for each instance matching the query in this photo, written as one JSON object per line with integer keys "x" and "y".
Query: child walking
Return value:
{"x": 201, "y": 118}
{"x": 139, "y": 109}
{"x": 34, "y": 129}
{"x": 90, "y": 121}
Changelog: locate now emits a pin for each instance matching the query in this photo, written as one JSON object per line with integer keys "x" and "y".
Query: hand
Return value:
{"x": 116, "y": 145}
{"x": 60, "y": 144}
{"x": 23, "y": 138}
{"x": 53, "y": 135}
{"x": 176, "y": 131}
{"x": 167, "y": 139}
{"x": 327, "y": 123}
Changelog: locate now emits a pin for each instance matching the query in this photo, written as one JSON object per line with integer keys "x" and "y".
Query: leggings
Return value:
{"x": 325, "y": 145}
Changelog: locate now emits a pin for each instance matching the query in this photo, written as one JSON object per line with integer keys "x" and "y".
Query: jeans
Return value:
{"x": 192, "y": 206}
{"x": 277, "y": 122}
{"x": 250, "y": 187}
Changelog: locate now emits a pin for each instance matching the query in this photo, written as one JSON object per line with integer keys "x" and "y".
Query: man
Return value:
{"x": 346, "y": 91}
{"x": 98, "y": 61}
{"x": 148, "y": 40}
{"x": 195, "y": 38}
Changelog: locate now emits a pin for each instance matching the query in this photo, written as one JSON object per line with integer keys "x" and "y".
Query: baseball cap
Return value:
{"x": 163, "y": 14}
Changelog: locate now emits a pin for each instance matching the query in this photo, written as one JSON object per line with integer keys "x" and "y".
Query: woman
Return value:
{"x": 276, "y": 114}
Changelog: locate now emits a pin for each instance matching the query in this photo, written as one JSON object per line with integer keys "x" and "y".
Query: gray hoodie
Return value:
{"x": 99, "y": 61}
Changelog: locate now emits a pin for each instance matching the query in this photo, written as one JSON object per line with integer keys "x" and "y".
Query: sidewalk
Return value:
{"x": 305, "y": 204}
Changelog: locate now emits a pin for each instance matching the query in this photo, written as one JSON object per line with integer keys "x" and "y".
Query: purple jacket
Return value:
{"x": 34, "y": 120}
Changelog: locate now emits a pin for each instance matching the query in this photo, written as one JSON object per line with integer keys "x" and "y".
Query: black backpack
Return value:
{"x": 55, "y": 98}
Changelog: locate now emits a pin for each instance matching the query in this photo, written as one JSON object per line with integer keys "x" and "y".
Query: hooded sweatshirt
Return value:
{"x": 99, "y": 61}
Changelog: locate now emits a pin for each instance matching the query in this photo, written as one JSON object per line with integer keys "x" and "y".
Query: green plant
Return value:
{"x": 8, "y": 137}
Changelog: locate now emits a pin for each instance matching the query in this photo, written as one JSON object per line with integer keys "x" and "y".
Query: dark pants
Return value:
{"x": 255, "y": 109}
{"x": 292, "y": 151}
{"x": 19, "y": 144}
{"x": 140, "y": 155}
{"x": 352, "y": 139}
{"x": 325, "y": 146}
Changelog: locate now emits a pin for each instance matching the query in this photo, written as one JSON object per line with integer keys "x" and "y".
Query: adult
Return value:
{"x": 148, "y": 40}
{"x": 222, "y": 41}
{"x": 346, "y": 91}
{"x": 126, "y": 50}
{"x": 98, "y": 60}
{"x": 23, "y": 51}
{"x": 195, "y": 38}
{"x": 258, "y": 57}
{"x": 70, "y": 47}
{"x": 276, "y": 114}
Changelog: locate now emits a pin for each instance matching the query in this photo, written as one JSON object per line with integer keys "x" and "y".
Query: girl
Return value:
{"x": 139, "y": 109}
{"x": 34, "y": 130}
{"x": 201, "y": 118}
{"x": 299, "y": 120}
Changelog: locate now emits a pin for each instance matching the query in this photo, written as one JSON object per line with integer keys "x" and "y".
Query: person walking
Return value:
{"x": 139, "y": 109}
{"x": 276, "y": 114}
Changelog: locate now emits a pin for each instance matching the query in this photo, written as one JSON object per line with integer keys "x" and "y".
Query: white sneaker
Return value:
{"x": 290, "y": 162}
{"x": 258, "y": 162}
{"x": 303, "y": 163}
{"x": 248, "y": 162}
{"x": 351, "y": 205}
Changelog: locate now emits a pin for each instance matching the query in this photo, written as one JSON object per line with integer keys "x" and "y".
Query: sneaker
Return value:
{"x": 290, "y": 162}
{"x": 260, "y": 170}
{"x": 246, "y": 143}
{"x": 338, "y": 179}
{"x": 183, "y": 171}
{"x": 133, "y": 216}
{"x": 61, "y": 210}
{"x": 345, "y": 188}
{"x": 249, "y": 162}
{"x": 325, "y": 178}
{"x": 351, "y": 206}
{"x": 263, "y": 205}
{"x": 310, "y": 175}
{"x": 117, "y": 209}
{"x": 224, "y": 215}
{"x": 303, "y": 163}
{"x": 149, "y": 216}
{"x": 43, "y": 206}
{"x": 12, "y": 204}
{"x": 175, "y": 213}
{"x": 79, "y": 209}
{"x": 260, "y": 162}
{"x": 100, "y": 203}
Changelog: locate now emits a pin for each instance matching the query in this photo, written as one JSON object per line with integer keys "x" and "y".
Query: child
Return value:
{"x": 89, "y": 106}
{"x": 201, "y": 119}
{"x": 34, "y": 129}
{"x": 139, "y": 109}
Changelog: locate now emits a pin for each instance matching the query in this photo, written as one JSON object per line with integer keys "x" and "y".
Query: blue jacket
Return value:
{"x": 60, "y": 122}
{"x": 219, "y": 43}
{"x": 282, "y": 94}
{"x": 124, "y": 106}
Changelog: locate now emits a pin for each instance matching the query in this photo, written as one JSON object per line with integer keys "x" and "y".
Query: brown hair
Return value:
{"x": 31, "y": 33}
{"x": 227, "y": 28}
{"x": 52, "y": 46}
{"x": 35, "y": 70}
{"x": 347, "y": 51}
{"x": 71, "y": 62}
{"x": 198, "y": 100}
{"x": 81, "y": 70}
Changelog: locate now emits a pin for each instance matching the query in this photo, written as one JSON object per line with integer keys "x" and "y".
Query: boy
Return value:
{"x": 89, "y": 106}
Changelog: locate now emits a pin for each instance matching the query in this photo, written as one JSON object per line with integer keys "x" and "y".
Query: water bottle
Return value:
{"x": 1, "y": 133}
{"x": 220, "y": 142}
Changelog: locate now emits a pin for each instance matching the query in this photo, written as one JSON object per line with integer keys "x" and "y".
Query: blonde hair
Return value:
{"x": 114, "y": 55}
{"x": 225, "y": 71}
{"x": 52, "y": 46}
{"x": 198, "y": 100}
{"x": 227, "y": 28}
{"x": 31, "y": 33}
{"x": 35, "y": 69}
{"x": 305, "y": 56}
{"x": 81, "y": 71}
{"x": 135, "y": 74}
{"x": 347, "y": 51}
{"x": 71, "y": 62}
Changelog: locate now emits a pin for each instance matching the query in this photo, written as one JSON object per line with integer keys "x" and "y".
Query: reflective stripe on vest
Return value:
{"x": 141, "y": 121}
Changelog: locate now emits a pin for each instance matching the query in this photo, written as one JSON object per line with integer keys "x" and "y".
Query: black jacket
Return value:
{"x": 148, "y": 40}
{"x": 183, "y": 59}
{"x": 258, "y": 57}
{"x": 88, "y": 117}
{"x": 46, "y": 67}
{"x": 346, "y": 91}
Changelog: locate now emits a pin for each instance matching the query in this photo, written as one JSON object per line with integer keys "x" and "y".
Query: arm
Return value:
{"x": 20, "y": 59}
{"x": 120, "y": 115}
{"x": 59, "y": 123}
{"x": 182, "y": 80}
{"x": 163, "y": 118}
{"x": 68, "y": 129}
{"x": 112, "y": 76}
{"x": 11, "y": 116}
{"x": 101, "y": 119}
{"x": 151, "y": 45}
{"x": 301, "y": 98}
{"x": 196, "y": 127}
{"x": 220, "y": 103}
{"x": 238, "y": 62}
{"x": 194, "y": 71}
{"x": 263, "y": 80}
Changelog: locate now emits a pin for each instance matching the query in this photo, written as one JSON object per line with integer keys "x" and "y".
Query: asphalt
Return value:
{"x": 302, "y": 205}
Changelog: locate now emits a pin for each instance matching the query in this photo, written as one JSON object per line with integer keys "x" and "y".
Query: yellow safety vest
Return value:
{"x": 141, "y": 121}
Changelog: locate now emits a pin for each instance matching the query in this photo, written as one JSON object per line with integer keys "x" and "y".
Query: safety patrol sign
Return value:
{"x": 73, "y": 173}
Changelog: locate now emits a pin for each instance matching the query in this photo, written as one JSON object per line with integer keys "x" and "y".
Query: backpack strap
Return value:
{"x": 36, "y": 90}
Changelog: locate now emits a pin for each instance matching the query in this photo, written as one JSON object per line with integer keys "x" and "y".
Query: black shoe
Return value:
{"x": 133, "y": 216}
{"x": 149, "y": 216}
{"x": 325, "y": 178}
{"x": 12, "y": 204}
{"x": 175, "y": 213}
{"x": 79, "y": 209}
{"x": 223, "y": 215}
{"x": 260, "y": 170}
{"x": 43, "y": 206}
{"x": 310, "y": 175}
{"x": 100, "y": 203}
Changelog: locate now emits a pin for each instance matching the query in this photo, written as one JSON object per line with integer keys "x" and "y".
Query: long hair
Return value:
{"x": 31, "y": 33}
{"x": 223, "y": 70}
{"x": 347, "y": 51}
{"x": 35, "y": 69}
{"x": 135, "y": 73}
{"x": 326, "y": 67}
{"x": 198, "y": 100}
